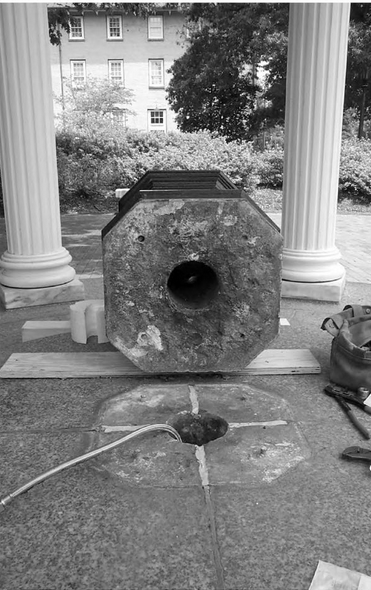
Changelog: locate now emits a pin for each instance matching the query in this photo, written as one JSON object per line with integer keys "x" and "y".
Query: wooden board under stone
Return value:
{"x": 65, "y": 365}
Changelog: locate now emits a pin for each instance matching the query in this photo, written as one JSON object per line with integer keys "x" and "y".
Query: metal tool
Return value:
{"x": 357, "y": 453}
{"x": 358, "y": 398}
{"x": 352, "y": 417}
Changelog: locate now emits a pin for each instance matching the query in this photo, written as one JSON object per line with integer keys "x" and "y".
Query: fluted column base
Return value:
{"x": 39, "y": 270}
{"x": 12, "y": 298}
{"x": 311, "y": 266}
{"x": 331, "y": 291}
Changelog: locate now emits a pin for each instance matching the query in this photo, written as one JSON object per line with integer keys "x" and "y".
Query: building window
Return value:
{"x": 77, "y": 28}
{"x": 114, "y": 27}
{"x": 119, "y": 118}
{"x": 78, "y": 71}
{"x": 157, "y": 120}
{"x": 155, "y": 28}
{"x": 116, "y": 70}
{"x": 156, "y": 73}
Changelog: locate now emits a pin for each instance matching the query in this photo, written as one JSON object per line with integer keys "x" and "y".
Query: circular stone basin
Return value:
{"x": 198, "y": 429}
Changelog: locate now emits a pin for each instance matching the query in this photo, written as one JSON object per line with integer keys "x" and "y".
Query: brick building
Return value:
{"x": 134, "y": 50}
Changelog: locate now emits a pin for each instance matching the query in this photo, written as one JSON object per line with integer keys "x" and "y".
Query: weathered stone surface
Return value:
{"x": 192, "y": 279}
{"x": 262, "y": 443}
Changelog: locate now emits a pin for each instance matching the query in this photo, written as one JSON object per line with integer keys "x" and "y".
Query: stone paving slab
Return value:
{"x": 80, "y": 531}
{"x": 259, "y": 551}
{"x": 255, "y": 456}
{"x": 262, "y": 442}
{"x": 81, "y": 235}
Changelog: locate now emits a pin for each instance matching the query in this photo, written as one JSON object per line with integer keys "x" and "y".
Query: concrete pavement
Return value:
{"x": 90, "y": 528}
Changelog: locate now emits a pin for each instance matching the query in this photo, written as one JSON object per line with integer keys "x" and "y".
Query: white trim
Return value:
{"x": 161, "y": 126}
{"x": 71, "y": 37}
{"x": 152, "y": 75}
{"x": 116, "y": 61}
{"x": 155, "y": 33}
{"x": 77, "y": 61}
{"x": 114, "y": 37}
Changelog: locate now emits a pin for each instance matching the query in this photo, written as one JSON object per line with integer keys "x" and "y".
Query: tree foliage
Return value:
{"x": 91, "y": 103}
{"x": 233, "y": 35}
{"x": 219, "y": 97}
{"x": 358, "y": 79}
{"x": 214, "y": 85}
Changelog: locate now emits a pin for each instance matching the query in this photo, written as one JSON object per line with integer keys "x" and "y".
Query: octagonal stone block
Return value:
{"x": 192, "y": 274}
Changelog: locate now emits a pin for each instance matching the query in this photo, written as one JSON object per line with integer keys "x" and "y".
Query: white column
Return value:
{"x": 318, "y": 35}
{"x": 35, "y": 258}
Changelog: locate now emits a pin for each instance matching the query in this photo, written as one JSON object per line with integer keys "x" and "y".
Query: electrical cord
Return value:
{"x": 149, "y": 428}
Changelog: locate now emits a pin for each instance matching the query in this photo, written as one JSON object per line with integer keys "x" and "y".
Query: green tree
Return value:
{"x": 219, "y": 97}
{"x": 358, "y": 78}
{"x": 214, "y": 85}
{"x": 92, "y": 104}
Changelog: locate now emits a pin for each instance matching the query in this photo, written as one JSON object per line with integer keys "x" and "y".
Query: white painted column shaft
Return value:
{"x": 35, "y": 256}
{"x": 314, "y": 107}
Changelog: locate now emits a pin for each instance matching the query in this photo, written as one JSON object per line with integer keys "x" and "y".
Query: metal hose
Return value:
{"x": 150, "y": 428}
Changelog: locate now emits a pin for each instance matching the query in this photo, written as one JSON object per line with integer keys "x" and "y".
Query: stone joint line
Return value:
{"x": 204, "y": 476}
{"x": 200, "y": 456}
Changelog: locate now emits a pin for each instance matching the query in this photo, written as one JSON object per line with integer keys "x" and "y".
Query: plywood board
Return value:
{"x": 113, "y": 364}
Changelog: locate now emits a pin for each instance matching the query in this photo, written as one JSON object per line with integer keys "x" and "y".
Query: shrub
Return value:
{"x": 95, "y": 164}
{"x": 270, "y": 167}
{"x": 355, "y": 167}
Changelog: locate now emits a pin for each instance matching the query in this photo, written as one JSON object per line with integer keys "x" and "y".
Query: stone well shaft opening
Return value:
{"x": 193, "y": 284}
{"x": 198, "y": 428}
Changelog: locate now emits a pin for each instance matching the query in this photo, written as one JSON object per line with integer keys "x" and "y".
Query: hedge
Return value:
{"x": 91, "y": 165}
{"x": 355, "y": 170}
{"x": 94, "y": 167}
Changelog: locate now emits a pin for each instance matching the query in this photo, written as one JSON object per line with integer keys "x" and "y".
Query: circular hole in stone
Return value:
{"x": 193, "y": 284}
{"x": 198, "y": 429}
{"x": 140, "y": 238}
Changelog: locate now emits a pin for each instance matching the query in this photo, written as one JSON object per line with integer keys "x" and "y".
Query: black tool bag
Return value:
{"x": 350, "y": 362}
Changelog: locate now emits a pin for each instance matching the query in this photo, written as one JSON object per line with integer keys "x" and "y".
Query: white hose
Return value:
{"x": 81, "y": 458}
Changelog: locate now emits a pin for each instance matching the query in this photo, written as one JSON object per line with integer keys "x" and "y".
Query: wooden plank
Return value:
{"x": 113, "y": 364}
{"x": 33, "y": 330}
{"x": 282, "y": 361}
